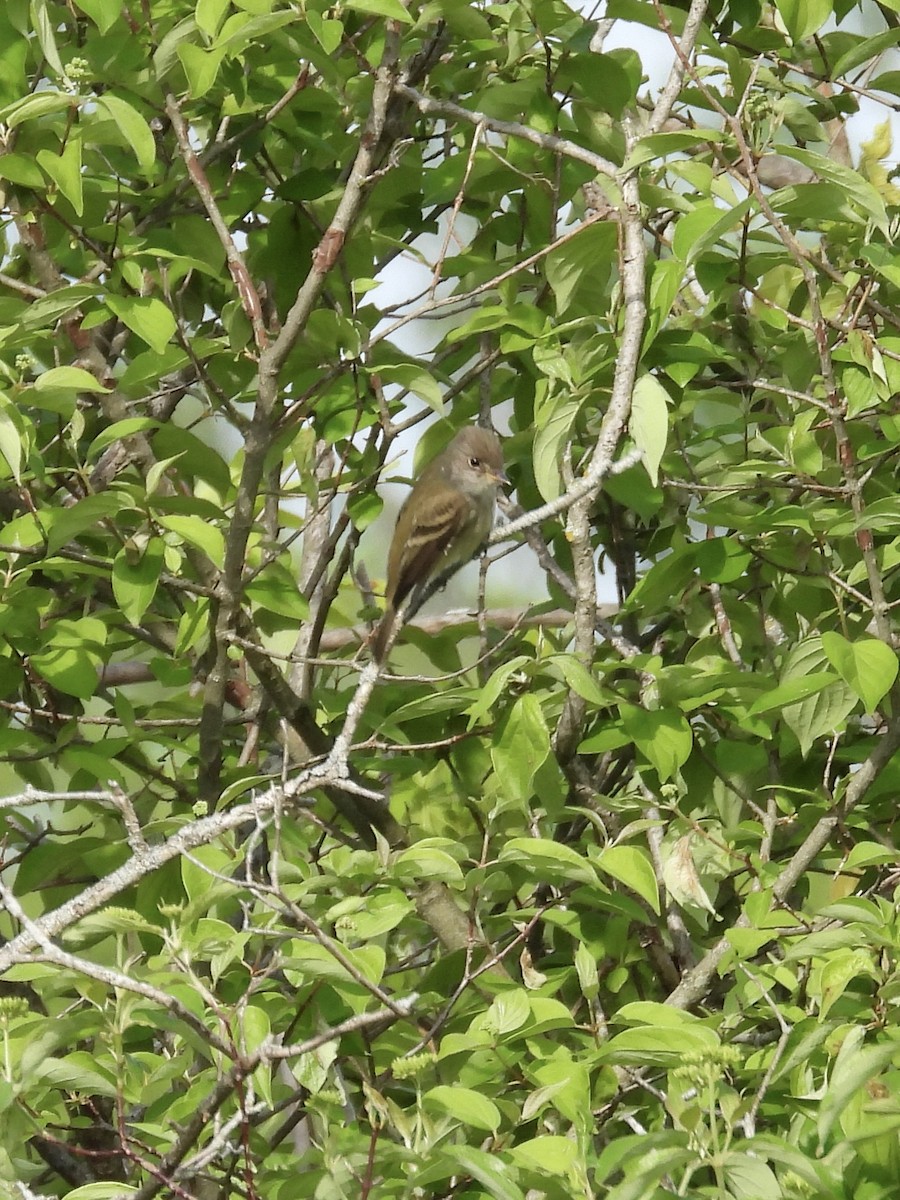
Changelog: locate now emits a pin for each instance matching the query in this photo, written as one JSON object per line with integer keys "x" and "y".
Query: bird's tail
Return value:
{"x": 381, "y": 638}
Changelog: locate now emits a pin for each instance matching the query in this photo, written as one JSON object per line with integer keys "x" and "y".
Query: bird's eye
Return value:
{"x": 474, "y": 462}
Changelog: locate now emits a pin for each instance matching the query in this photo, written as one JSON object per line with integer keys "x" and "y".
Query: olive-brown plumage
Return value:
{"x": 445, "y": 518}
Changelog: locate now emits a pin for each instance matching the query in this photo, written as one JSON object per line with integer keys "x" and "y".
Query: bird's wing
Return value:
{"x": 429, "y": 537}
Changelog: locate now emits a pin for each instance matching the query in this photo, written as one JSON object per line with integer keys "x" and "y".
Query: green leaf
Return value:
{"x": 256, "y": 1027}
{"x": 866, "y": 49}
{"x": 492, "y": 690}
{"x": 465, "y": 1105}
{"x": 199, "y": 534}
{"x": 19, "y": 168}
{"x": 868, "y": 666}
{"x": 662, "y": 145}
{"x": 792, "y": 691}
{"x": 112, "y": 920}
{"x": 328, "y": 33}
{"x": 651, "y": 1012}
{"x": 552, "y": 1153}
{"x": 887, "y": 81}
{"x": 276, "y": 590}
{"x": 649, "y": 422}
{"x": 855, "y": 1066}
{"x": 72, "y": 654}
{"x": 633, "y": 868}
{"x": 748, "y": 1178}
{"x": 64, "y": 525}
{"x": 548, "y": 358}
{"x": 157, "y": 471}
{"x": 859, "y": 190}
{"x": 552, "y": 435}
{"x": 12, "y": 449}
{"x": 392, "y": 9}
{"x": 166, "y": 55}
{"x": 609, "y": 737}
{"x": 549, "y": 859}
{"x": 704, "y": 225}
{"x": 241, "y": 30}
{"x": 426, "y": 860}
{"x": 117, "y": 431}
{"x": 663, "y": 736}
{"x": 195, "y": 458}
{"x": 210, "y": 14}
{"x": 75, "y": 1072}
{"x": 49, "y": 309}
{"x": 146, "y": 316}
{"x": 608, "y": 81}
{"x": 825, "y": 711}
{"x": 507, "y": 1012}
{"x": 546, "y": 1014}
{"x": 803, "y": 18}
{"x": 521, "y": 748}
{"x": 665, "y": 580}
{"x": 31, "y": 107}
{"x": 135, "y": 130}
{"x": 201, "y": 65}
{"x": 70, "y": 379}
{"x": 44, "y": 27}
{"x": 581, "y": 265}
{"x": 364, "y": 508}
{"x": 838, "y": 970}
{"x": 487, "y": 1169}
{"x": 374, "y": 915}
{"x": 662, "y": 1047}
{"x": 823, "y": 714}
{"x": 415, "y": 379}
{"x": 308, "y": 960}
{"x": 586, "y": 970}
{"x": 666, "y": 278}
{"x": 135, "y": 577}
{"x": 580, "y": 679}
{"x": 525, "y": 318}
{"x": 644, "y": 1158}
{"x": 887, "y": 264}
{"x": 65, "y": 171}
{"x": 104, "y": 13}
{"x": 779, "y": 1150}
{"x": 867, "y": 854}
{"x": 722, "y": 560}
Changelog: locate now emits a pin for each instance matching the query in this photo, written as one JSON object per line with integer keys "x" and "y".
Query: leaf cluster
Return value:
{"x": 582, "y": 903}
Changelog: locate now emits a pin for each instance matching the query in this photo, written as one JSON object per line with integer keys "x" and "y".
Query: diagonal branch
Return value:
{"x": 686, "y": 43}
{"x": 547, "y": 141}
{"x": 112, "y": 978}
{"x": 268, "y": 1051}
{"x": 265, "y": 417}
{"x": 247, "y": 292}
{"x": 140, "y": 865}
{"x": 696, "y": 982}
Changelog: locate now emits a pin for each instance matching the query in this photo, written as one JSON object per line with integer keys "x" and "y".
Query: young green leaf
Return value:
{"x": 649, "y": 422}
{"x": 867, "y": 665}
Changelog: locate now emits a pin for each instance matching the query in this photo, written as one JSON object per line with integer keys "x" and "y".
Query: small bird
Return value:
{"x": 444, "y": 520}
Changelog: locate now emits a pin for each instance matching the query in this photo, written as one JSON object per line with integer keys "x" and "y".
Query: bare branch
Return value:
{"x": 247, "y": 292}
{"x": 547, "y": 141}
{"x": 695, "y": 983}
{"x": 139, "y": 865}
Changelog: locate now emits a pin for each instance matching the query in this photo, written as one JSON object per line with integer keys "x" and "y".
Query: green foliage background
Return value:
{"x": 609, "y": 914}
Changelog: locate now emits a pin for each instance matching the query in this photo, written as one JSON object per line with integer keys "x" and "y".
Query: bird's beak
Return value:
{"x": 501, "y": 477}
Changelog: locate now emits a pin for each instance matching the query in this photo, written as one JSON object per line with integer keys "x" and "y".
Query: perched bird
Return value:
{"x": 445, "y": 519}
